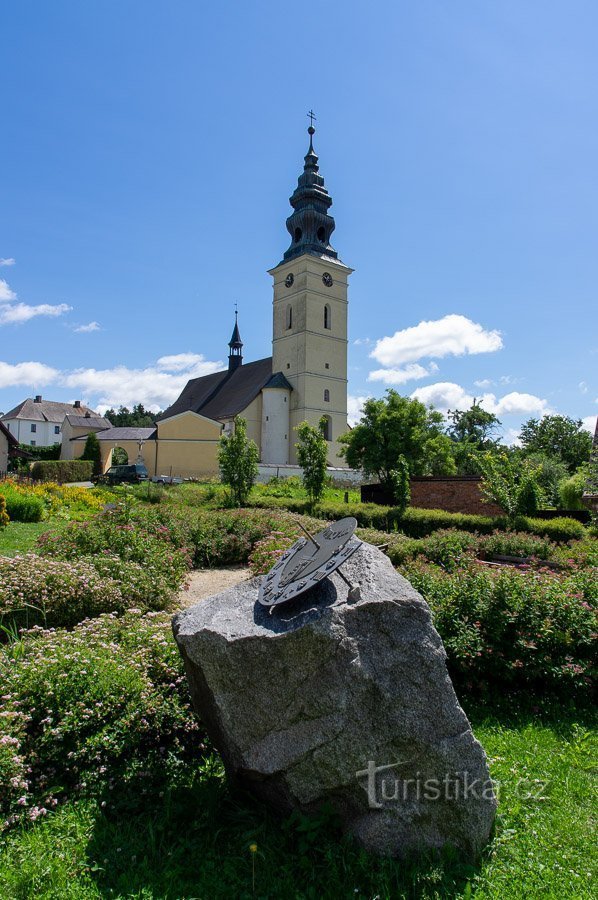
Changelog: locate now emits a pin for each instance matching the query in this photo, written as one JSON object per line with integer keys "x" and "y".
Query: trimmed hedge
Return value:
{"x": 62, "y": 470}
{"x": 418, "y": 523}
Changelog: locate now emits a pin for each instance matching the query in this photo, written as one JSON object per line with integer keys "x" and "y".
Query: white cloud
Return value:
{"x": 6, "y": 294}
{"x": 33, "y": 374}
{"x": 583, "y": 387}
{"x": 17, "y": 313}
{"x": 444, "y": 395}
{"x": 86, "y": 329}
{"x": 7, "y": 261}
{"x": 354, "y": 408}
{"x": 152, "y": 386}
{"x": 452, "y": 335}
{"x": 483, "y": 383}
{"x": 515, "y": 403}
{"x": 179, "y": 362}
{"x": 412, "y": 372}
{"x": 589, "y": 423}
{"x": 362, "y": 341}
{"x": 447, "y": 395}
{"x": 511, "y": 437}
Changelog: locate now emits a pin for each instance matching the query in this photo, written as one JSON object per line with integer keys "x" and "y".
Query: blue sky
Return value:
{"x": 149, "y": 149}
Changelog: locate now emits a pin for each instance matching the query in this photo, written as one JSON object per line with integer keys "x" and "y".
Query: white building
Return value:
{"x": 38, "y": 422}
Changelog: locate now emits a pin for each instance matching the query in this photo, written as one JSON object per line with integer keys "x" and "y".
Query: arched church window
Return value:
{"x": 289, "y": 316}
{"x": 327, "y": 317}
{"x": 298, "y": 235}
{"x": 326, "y": 396}
{"x": 322, "y": 234}
{"x": 327, "y": 428}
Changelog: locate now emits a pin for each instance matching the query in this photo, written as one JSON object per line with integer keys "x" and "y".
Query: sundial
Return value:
{"x": 308, "y": 562}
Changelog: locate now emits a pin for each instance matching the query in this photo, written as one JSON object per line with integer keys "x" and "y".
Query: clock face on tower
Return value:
{"x": 327, "y": 279}
{"x": 289, "y": 279}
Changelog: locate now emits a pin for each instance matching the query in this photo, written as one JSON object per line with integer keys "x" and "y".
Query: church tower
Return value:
{"x": 309, "y": 344}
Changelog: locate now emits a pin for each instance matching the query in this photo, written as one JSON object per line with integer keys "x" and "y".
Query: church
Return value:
{"x": 305, "y": 379}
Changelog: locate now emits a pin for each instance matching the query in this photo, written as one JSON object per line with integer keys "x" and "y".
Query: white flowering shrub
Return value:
{"x": 83, "y": 710}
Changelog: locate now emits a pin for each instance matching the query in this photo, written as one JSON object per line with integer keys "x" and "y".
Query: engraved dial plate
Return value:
{"x": 307, "y": 562}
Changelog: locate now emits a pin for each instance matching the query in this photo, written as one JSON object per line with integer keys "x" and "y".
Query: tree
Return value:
{"x": 120, "y": 457}
{"x": 471, "y": 431}
{"x": 401, "y": 486}
{"x": 238, "y": 458}
{"x": 551, "y": 471}
{"x": 398, "y": 426}
{"x": 93, "y": 452}
{"x": 473, "y": 426}
{"x": 557, "y": 436}
{"x": 514, "y": 487}
{"x": 312, "y": 454}
{"x": 138, "y": 417}
{"x": 572, "y": 487}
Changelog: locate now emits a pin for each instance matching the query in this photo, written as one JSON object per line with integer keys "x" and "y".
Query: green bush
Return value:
{"x": 570, "y": 490}
{"x": 418, "y": 523}
{"x": 104, "y": 704}
{"x": 62, "y": 470}
{"x": 150, "y": 545}
{"x": 503, "y": 628}
{"x": 559, "y": 530}
{"x": 23, "y": 507}
{"x": 513, "y": 543}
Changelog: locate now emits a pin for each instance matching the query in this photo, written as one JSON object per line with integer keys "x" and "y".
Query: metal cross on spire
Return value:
{"x": 312, "y": 118}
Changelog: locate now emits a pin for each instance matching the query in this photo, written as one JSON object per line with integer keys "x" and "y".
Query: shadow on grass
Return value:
{"x": 190, "y": 837}
{"x": 194, "y": 840}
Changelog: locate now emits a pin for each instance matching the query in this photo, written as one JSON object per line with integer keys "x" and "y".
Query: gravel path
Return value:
{"x": 205, "y": 582}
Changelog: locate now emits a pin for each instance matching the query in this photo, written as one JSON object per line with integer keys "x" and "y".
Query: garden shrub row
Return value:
{"x": 62, "y": 470}
{"x": 129, "y": 557}
{"x": 417, "y": 523}
{"x": 60, "y": 593}
{"x": 106, "y": 703}
{"x": 506, "y": 629}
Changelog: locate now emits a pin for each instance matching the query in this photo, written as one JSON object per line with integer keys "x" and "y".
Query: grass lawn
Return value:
{"x": 20, "y": 537}
{"x": 192, "y": 840}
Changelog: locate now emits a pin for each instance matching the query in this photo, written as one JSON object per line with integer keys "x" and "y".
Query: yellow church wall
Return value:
{"x": 187, "y": 458}
{"x": 253, "y": 416}
{"x": 187, "y": 446}
{"x": 189, "y": 426}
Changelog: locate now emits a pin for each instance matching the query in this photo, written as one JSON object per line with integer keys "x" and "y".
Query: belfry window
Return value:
{"x": 326, "y": 396}
{"x": 327, "y": 427}
{"x": 322, "y": 234}
{"x": 327, "y": 317}
{"x": 289, "y": 316}
{"x": 298, "y": 235}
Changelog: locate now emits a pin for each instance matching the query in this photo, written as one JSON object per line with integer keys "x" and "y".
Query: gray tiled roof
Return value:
{"x": 122, "y": 434}
{"x": 279, "y": 381}
{"x": 223, "y": 395}
{"x": 45, "y": 411}
{"x": 88, "y": 422}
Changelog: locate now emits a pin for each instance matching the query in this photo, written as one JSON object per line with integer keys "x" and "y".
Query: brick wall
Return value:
{"x": 454, "y": 493}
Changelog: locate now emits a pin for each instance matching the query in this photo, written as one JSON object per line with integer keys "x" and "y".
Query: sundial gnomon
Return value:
{"x": 308, "y": 562}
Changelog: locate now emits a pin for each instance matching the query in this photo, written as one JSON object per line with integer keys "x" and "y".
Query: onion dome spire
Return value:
{"x": 310, "y": 224}
{"x": 235, "y": 357}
